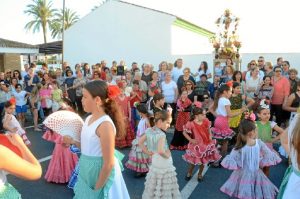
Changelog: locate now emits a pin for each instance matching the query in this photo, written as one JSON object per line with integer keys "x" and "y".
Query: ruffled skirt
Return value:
{"x": 88, "y": 175}
{"x": 249, "y": 185}
{"x": 129, "y": 137}
{"x": 63, "y": 161}
{"x": 234, "y": 122}
{"x": 221, "y": 130}
{"x": 138, "y": 161}
{"x": 7, "y": 191}
{"x": 198, "y": 154}
{"x": 161, "y": 181}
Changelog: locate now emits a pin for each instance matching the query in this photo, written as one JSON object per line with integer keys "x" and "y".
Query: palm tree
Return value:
{"x": 42, "y": 13}
{"x": 71, "y": 17}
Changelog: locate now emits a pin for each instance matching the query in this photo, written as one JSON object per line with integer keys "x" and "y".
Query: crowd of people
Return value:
{"x": 227, "y": 118}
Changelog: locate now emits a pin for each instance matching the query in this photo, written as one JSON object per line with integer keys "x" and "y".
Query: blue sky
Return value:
{"x": 265, "y": 26}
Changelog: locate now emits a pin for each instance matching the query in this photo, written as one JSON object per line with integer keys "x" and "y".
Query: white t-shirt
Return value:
{"x": 261, "y": 75}
{"x": 221, "y": 110}
{"x": 176, "y": 72}
{"x": 169, "y": 91}
{"x": 201, "y": 72}
{"x": 20, "y": 98}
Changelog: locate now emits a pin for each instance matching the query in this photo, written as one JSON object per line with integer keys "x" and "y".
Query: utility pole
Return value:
{"x": 63, "y": 35}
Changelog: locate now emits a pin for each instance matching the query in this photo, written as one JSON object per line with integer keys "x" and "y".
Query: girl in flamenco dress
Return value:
{"x": 63, "y": 161}
{"x": 139, "y": 161}
{"x": 184, "y": 105}
{"x": 124, "y": 102}
{"x": 161, "y": 180}
{"x": 201, "y": 148}
{"x": 249, "y": 155}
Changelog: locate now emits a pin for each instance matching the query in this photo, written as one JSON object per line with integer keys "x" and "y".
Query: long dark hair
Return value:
{"x": 205, "y": 66}
{"x": 99, "y": 88}
{"x": 220, "y": 91}
{"x": 234, "y": 75}
{"x": 196, "y": 111}
{"x": 245, "y": 127}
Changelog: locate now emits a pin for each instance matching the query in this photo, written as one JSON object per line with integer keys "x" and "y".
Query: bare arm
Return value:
{"x": 106, "y": 132}
{"x": 288, "y": 103}
{"x": 27, "y": 168}
{"x": 160, "y": 148}
{"x": 284, "y": 141}
{"x": 142, "y": 146}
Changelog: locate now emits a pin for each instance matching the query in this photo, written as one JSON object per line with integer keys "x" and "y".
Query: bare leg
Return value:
{"x": 266, "y": 171}
{"x": 201, "y": 168}
{"x": 35, "y": 119}
{"x": 224, "y": 148}
{"x": 190, "y": 172}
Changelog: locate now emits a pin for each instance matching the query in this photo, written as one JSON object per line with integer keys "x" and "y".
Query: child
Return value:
{"x": 159, "y": 103}
{"x": 21, "y": 107}
{"x": 218, "y": 69}
{"x": 26, "y": 167}
{"x": 139, "y": 161}
{"x": 35, "y": 105}
{"x": 184, "y": 104}
{"x": 124, "y": 103}
{"x": 265, "y": 129}
{"x": 201, "y": 148}
{"x": 10, "y": 122}
{"x": 135, "y": 96}
{"x": 249, "y": 154}
{"x": 221, "y": 109}
{"x": 57, "y": 95}
{"x": 161, "y": 168}
{"x": 63, "y": 161}
{"x": 45, "y": 97}
{"x": 99, "y": 165}
{"x": 236, "y": 101}
{"x": 290, "y": 141}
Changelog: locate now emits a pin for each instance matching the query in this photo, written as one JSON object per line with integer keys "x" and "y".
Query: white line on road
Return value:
{"x": 45, "y": 158}
{"x": 192, "y": 184}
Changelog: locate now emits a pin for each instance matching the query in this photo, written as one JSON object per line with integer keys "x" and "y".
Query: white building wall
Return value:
{"x": 119, "y": 31}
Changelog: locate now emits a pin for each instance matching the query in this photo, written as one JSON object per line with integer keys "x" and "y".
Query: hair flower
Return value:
{"x": 113, "y": 91}
{"x": 229, "y": 83}
{"x": 135, "y": 104}
{"x": 12, "y": 100}
{"x": 264, "y": 104}
{"x": 250, "y": 116}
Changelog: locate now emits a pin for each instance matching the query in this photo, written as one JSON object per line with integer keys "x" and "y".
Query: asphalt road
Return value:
{"x": 208, "y": 189}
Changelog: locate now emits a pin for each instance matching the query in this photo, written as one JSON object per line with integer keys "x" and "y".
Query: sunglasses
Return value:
{"x": 260, "y": 60}
{"x": 205, "y": 97}
{"x": 252, "y": 64}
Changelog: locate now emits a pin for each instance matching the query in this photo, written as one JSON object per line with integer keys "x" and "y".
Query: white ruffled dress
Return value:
{"x": 161, "y": 180}
{"x": 247, "y": 180}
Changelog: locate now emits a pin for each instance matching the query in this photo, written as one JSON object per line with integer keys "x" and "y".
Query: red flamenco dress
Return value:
{"x": 179, "y": 142}
{"x": 63, "y": 161}
{"x": 205, "y": 150}
{"x": 123, "y": 102}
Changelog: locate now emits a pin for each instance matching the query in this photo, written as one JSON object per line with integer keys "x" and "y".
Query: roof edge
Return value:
{"x": 192, "y": 27}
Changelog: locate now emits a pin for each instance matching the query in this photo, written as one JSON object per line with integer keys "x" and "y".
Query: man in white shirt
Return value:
{"x": 177, "y": 70}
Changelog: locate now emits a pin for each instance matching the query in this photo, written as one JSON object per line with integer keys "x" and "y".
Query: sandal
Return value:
{"x": 200, "y": 178}
{"x": 188, "y": 177}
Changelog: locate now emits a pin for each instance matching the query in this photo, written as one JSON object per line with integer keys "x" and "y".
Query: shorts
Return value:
{"x": 21, "y": 109}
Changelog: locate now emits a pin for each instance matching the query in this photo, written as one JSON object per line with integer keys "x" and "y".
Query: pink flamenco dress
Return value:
{"x": 205, "y": 150}
{"x": 63, "y": 161}
{"x": 248, "y": 180}
{"x": 127, "y": 140}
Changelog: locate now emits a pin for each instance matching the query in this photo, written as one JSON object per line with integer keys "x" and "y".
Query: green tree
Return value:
{"x": 42, "y": 13}
{"x": 71, "y": 17}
